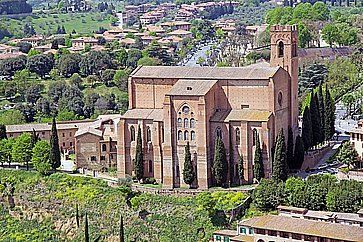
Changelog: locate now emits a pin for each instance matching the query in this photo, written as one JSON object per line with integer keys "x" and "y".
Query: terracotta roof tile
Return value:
{"x": 191, "y": 87}
{"x": 241, "y": 115}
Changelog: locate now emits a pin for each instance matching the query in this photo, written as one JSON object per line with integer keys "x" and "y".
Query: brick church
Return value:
{"x": 174, "y": 105}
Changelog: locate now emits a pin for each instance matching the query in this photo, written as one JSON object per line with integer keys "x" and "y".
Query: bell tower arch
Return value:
{"x": 284, "y": 46}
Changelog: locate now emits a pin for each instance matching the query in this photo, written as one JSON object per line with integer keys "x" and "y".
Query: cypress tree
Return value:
{"x": 231, "y": 159}
{"x": 258, "y": 170}
{"x": 315, "y": 119}
{"x": 86, "y": 232}
{"x": 55, "y": 155}
{"x": 188, "y": 171}
{"x": 329, "y": 128}
{"x": 298, "y": 152}
{"x": 122, "y": 233}
{"x": 77, "y": 215}
{"x": 220, "y": 165}
{"x": 279, "y": 165}
{"x": 139, "y": 159}
{"x": 240, "y": 168}
{"x": 307, "y": 133}
{"x": 290, "y": 148}
{"x": 2, "y": 132}
{"x": 35, "y": 138}
{"x": 322, "y": 112}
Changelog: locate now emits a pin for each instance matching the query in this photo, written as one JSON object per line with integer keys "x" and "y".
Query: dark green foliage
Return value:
{"x": 68, "y": 64}
{"x": 312, "y": 76}
{"x": 315, "y": 119}
{"x": 40, "y": 64}
{"x": 34, "y": 138}
{"x": 122, "y": 233}
{"x": 94, "y": 62}
{"x": 188, "y": 171}
{"x": 307, "y": 132}
{"x": 240, "y": 168}
{"x": 55, "y": 155}
{"x": 139, "y": 158}
{"x": 348, "y": 155}
{"x": 86, "y": 229}
{"x": 290, "y": 148}
{"x": 2, "y": 132}
{"x": 220, "y": 165}
{"x": 298, "y": 153}
{"x": 24, "y": 47}
{"x": 15, "y": 7}
{"x": 329, "y": 128}
{"x": 269, "y": 194}
{"x": 258, "y": 169}
{"x": 322, "y": 112}
{"x": 9, "y": 66}
{"x": 279, "y": 165}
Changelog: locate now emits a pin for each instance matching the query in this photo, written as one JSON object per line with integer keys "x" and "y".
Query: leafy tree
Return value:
{"x": 290, "y": 148}
{"x": 139, "y": 157}
{"x": 40, "y": 64}
{"x": 296, "y": 192}
{"x": 55, "y": 155}
{"x": 240, "y": 168}
{"x": 107, "y": 76}
{"x": 121, "y": 79}
{"x": 33, "y": 93}
{"x": 148, "y": 61}
{"x": 24, "y": 47}
{"x": 9, "y": 66}
{"x": 220, "y": 165}
{"x": 330, "y": 33}
{"x": 27, "y": 110}
{"x": 12, "y": 116}
{"x": 22, "y": 149}
{"x": 76, "y": 80}
{"x": 307, "y": 132}
{"x": 279, "y": 166}
{"x": 69, "y": 64}
{"x": 121, "y": 56}
{"x": 188, "y": 171}
{"x": 346, "y": 197}
{"x": 258, "y": 169}
{"x": 28, "y": 30}
{"x": 299, "y": 153}
{"x": 268, "y": 194}
{"x": 94, "y": 62}
{"x": 348, "y": 155}
{"x": 41, "y": 157}
{"x": 2, "y": 131}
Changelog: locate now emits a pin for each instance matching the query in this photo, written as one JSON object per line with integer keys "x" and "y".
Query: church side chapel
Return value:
{"x": 238, "y": 107}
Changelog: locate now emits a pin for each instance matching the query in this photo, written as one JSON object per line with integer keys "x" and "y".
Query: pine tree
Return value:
{"x": 2, "y": 132}
{"x": 315, "y": 119}
{"x": 55, "y": 155}
{"x": 298, "y": 153}
{"x": 307, "y": 133}
{"x": 139, "y": 159}
{"x": 322, "y": 112}
{"x": 329, "y": 128}
{"x": 188, "y": 171}
{"x": 86, "y": 232}
{"x": 279, "y": 165}
{"x": 122, "y": 233}
{"x": 290, "y": 148}
{"x": 77, "y": 215}
{"x": 220, "y": 165}
{"x": 258, "y": 169}
{"x": 240, "y": 168}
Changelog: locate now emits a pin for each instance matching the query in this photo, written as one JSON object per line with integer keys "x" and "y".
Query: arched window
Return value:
{"x": 281, "y": 49}
{"x": 219, "y": 132}
{"x": 238, "y": 136}
{"x": 148, "y": 134}
{"x": 279, "y": 98}
{"x": 179, "y": 122}
{"x": 192, "y": 135}
{"x": 186, "y": 123}
{"x": 180, "y": 135}
{"x": 186, "y": 135}
{"x": 255, "y": 136}
{"x": 132, "y": 133}
{"x": 192, "y": 123}
{"x": 104, "y": 147}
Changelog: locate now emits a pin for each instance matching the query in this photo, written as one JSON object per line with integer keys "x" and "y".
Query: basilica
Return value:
{"x": 174, "y": 105}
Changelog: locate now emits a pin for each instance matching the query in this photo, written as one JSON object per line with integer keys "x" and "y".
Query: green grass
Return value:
{"x": 82, "y": 23}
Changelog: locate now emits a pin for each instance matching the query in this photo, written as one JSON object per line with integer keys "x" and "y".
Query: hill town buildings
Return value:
{"x": 174, "y": 105}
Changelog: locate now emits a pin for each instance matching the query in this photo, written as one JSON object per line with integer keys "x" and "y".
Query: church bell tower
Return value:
{"x": 284, "y": 45}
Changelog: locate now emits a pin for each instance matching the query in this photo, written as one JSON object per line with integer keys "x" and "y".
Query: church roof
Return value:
{"x": 191, "y": 87}
{"x": 241, "y": 115}
{"x": 259, "y": 71}
{"x": 88, "y": 130}
{"x": 143, "y": 113}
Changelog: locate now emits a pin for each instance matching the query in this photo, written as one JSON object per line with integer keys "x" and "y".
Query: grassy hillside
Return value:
{"x": 45, "y": 210}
